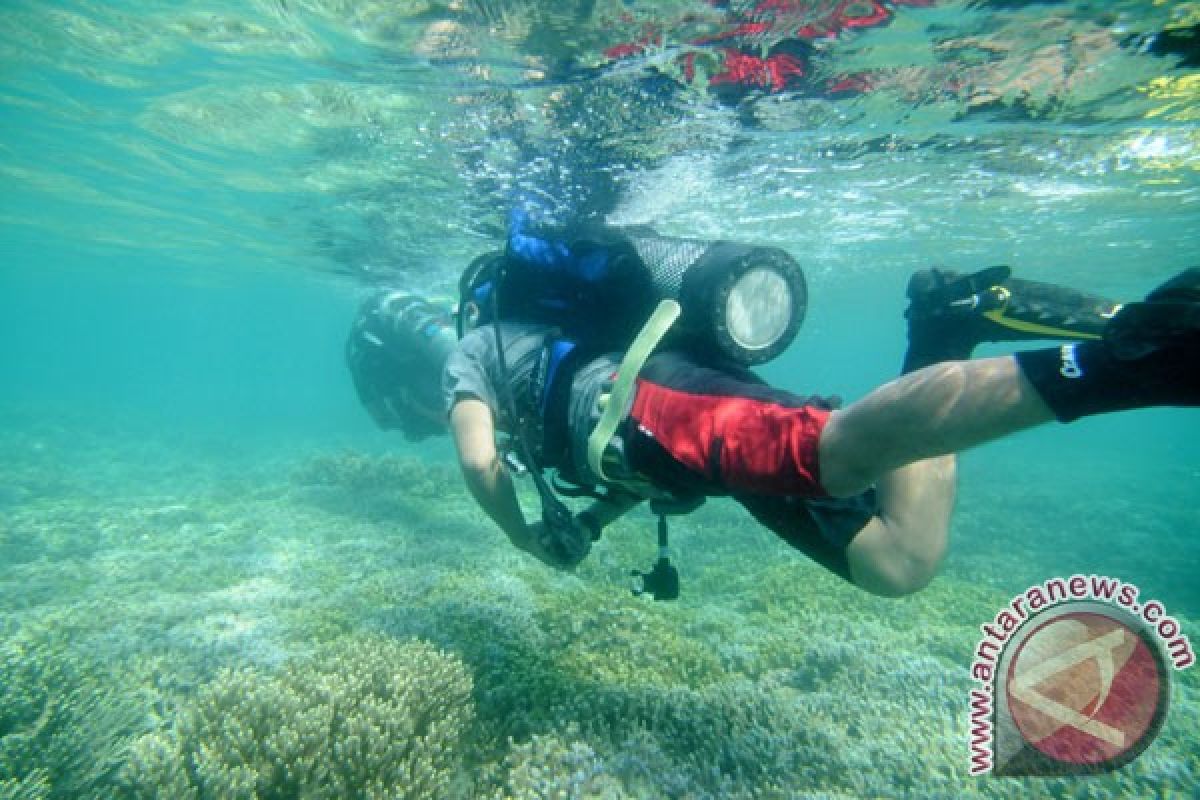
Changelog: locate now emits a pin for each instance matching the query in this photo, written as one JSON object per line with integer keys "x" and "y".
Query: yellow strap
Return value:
{"x": 997, "y": 316}
{"x": 635, "y": 358}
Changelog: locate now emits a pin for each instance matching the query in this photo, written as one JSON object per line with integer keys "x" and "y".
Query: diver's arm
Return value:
{"x": 474, "y": 433}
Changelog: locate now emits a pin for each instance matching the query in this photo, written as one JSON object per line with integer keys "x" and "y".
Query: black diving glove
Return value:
{"x": 564, "y": 542}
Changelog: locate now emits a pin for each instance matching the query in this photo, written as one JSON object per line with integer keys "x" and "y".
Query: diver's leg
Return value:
{"x": 955, "y": 405}
{"x": 1149, "y": 356}
{"x": 941, "y": 409}
{"x": 898, "y": 552}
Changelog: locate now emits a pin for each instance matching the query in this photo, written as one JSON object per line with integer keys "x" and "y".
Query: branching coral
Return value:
{"x": 769, "y": 679}
{"x": 33, "y": 786}
{"x": 62, "y": 724}
{"x": 367, "y": 718}
{"x": 560, "y": 767}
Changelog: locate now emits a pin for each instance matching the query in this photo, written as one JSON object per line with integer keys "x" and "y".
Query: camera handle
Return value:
{"x": 662, "y": 580}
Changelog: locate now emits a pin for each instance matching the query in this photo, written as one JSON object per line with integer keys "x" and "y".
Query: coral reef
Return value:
{"x": 33, "y": 786}
{"x": 63, "y": 721}
{"x": 557, "y": 766}
{"x": 373, "y": 487}
{"x": 366, "y": 717}
{"x": 358, "y": 472}
{"x": 322, "y": 626}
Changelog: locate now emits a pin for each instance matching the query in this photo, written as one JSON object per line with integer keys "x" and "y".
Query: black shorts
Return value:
{"x": 821, "y": 528}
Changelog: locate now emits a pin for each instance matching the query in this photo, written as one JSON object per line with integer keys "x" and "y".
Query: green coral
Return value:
{"x": 33, "y": 786}
{"x": 63, "y": 725}
{"x": 359, "y": 472}
{"x": 612, "y": 643}
{"x": 557, "y": 766}
{"x": 375, "y": 488}
{"x": 1184, "y": 16}
{"x": 366, "y": 717}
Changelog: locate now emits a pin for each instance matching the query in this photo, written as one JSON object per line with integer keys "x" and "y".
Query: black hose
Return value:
{"x": 555, "y": 515}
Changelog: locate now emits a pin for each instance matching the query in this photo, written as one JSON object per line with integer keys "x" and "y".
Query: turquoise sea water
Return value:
{"x": 195, "y": 196}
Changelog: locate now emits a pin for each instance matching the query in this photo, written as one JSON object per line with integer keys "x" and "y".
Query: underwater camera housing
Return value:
{"x": 740, "y": 303}
{"x": 744, "y": 302}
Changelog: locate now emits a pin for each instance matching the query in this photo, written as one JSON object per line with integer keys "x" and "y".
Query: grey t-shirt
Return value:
{"x": 473, "y": 370}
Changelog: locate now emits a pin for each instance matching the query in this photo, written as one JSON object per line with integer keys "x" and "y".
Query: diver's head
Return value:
{"x": 395, "y": 353}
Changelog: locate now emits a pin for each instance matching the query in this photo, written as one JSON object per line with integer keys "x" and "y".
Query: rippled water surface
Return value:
{"x": 390, "y": 137}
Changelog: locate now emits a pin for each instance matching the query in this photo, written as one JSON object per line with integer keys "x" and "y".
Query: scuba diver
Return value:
{"x": 620, "y": 359}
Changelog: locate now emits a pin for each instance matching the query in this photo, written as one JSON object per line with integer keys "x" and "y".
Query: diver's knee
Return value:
{"x": 892, "y": 577}
{"x": 894, "y": 586}
{"x": 900, "y": 587}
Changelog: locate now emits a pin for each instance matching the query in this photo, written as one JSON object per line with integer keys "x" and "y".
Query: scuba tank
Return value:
{"x": 408, "y": 326}
{"x": 396, "y": 349}
{"x": 739, "y": 302}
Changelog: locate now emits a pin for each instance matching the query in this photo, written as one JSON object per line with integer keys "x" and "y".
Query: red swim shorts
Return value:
{"x": 724, "y": 430}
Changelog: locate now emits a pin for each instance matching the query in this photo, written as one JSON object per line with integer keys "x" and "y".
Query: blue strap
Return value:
{"x": 534, "y": 249}
{"x": 559, "y": 350}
